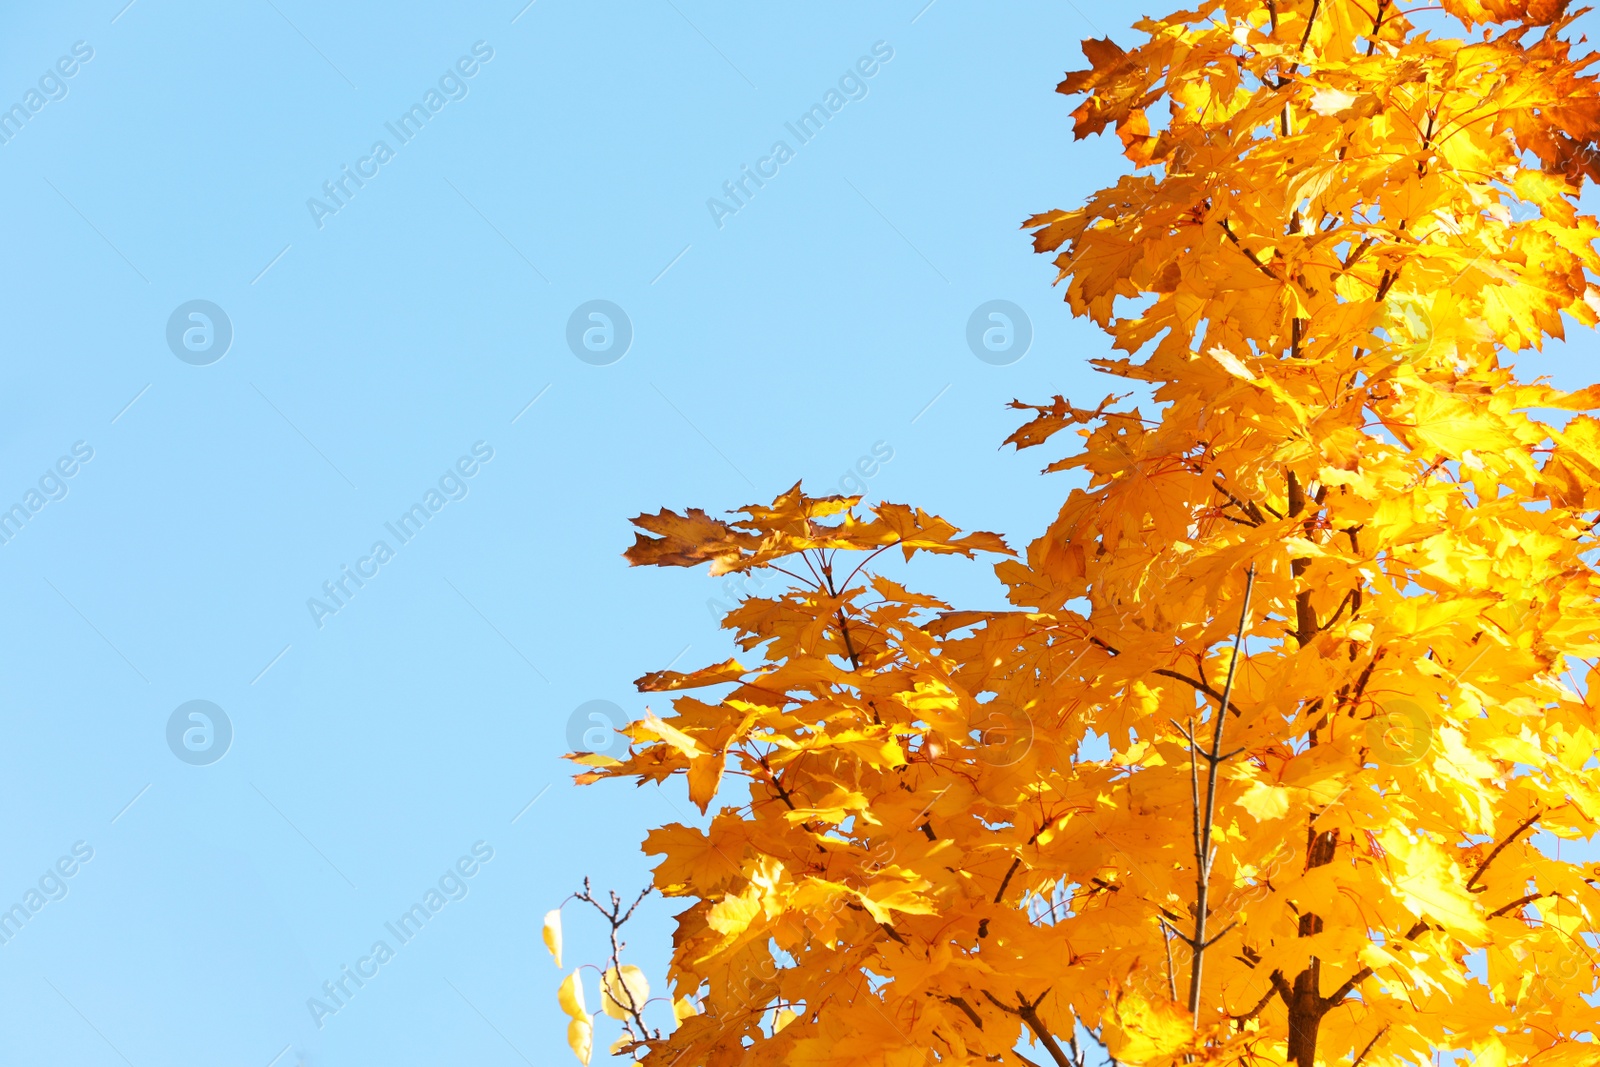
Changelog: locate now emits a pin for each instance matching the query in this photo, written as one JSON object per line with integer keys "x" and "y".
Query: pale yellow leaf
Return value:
{"x": 1331, "y": 101}
{"x": 671, "y": 734}
{"x": 621, "y": 995}
{"x": 580, "y": 1038}
{"x": 1231, "y": 363}
{"x": 570, "y": 996}
{"x": 1265, "y": 801}
{"x": 552, "y": 934}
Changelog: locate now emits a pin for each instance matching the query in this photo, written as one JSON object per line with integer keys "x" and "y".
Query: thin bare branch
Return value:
{"x": 1501, "y": 847}
{"x": 961, "y": 1002}
{"x": 1204, "y": 852}
{"x": 1029, "y": 1014}
{"x": 1382, "y": 1030}
{"x": 1266, "y": 998}
{"x": 1203, "y": 687}
{"x": 1516, "y": 904}
{"x": 1337, "y": 996}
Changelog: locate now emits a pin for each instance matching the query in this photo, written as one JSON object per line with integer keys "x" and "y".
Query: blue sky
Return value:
{"x": 416, "y": 340}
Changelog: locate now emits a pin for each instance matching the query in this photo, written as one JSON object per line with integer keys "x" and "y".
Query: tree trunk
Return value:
{"x": 1305, "y": 1017}
{"x": 1306, "y": 1006}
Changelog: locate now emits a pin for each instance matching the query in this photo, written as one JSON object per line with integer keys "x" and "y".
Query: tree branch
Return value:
{"x": 844, "y": 627}
{"x": 1247, "y": 506}
{"x": 1310, "y": 22}
{"x": 1501, "y": 847}
{"x": 1337, "y": 996}
{"x": 617, "y": 918}
{"x": 1262, "y": 267}
{"x": 1516, "y": 904}
{"x": 1349, "y": 598}
{"x": 1381, "y": 1031}
{"x": 961, "y": 1002}
{"x": 1015, "y": 863}
{"x": 1029, "y": 1014}
{"x": 1203, "y": 687}
{"x": 1204, "y": 852}
{"x": 1272, "y": 990}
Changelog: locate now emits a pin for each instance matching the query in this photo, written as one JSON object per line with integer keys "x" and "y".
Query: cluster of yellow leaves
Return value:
{"x": 964, "y": 828}
{"x": 624, "y": 991}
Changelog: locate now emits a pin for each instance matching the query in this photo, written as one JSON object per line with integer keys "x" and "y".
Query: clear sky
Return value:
{"x": 384, "y": 324}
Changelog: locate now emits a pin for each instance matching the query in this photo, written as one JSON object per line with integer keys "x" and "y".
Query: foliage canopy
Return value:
{"x": 1252, "y": 771}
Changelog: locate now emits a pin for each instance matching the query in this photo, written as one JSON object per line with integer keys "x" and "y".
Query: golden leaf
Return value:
{"x": 552, "y": 934}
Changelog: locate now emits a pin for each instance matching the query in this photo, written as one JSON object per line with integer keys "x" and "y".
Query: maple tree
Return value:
{"x": 1252, "y": 770}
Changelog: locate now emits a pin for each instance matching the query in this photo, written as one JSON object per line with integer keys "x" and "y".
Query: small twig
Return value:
{"x": 1029, "y": 1014}
{"x": 1381, "y": 1031}
{"x": 1337, "y": 996}
{"x": 1501, "y": 847}
{"x": 1262, "y": 267}
{"x": 1016, "y": 862}
{"x": 1350, "y": 597}
{"x": 1220, "y": 935}
{"x": 1176, "y": 933}
{"x": 616, "y": 917}
{"x": 1248, "y": 507}
{"x": 1516, "y": 904}
{"x": 1203, "y": 687}
{"x": 961, "y": 1002}
{"x": 1310, "y": 22}
{"x": 1172, "y": 975}
{"x": 1205, "y": 854}
{"x": 1261, "y": 1004}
